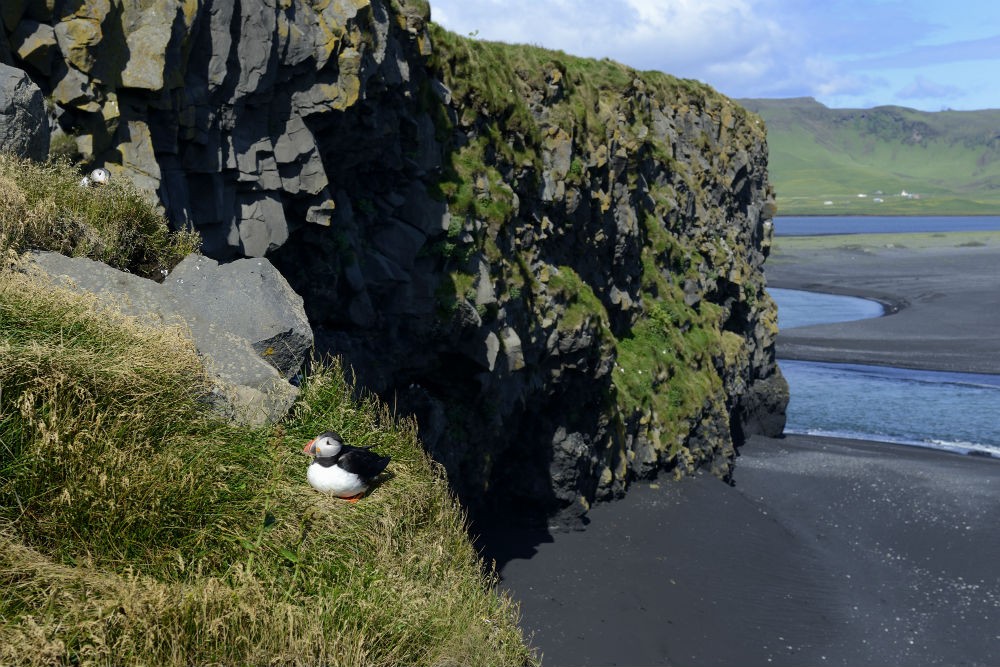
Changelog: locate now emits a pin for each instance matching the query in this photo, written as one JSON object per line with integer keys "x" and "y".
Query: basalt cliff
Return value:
{"x": 555, "y": 264}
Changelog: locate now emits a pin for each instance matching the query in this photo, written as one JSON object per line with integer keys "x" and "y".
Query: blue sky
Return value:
{"x": 924, "y": 54}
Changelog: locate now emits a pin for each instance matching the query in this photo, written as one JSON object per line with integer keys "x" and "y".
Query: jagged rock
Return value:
{"x": 235, "y": 315}
{"x": 138, "y": 157}
{"x": 513, "y": 349}
{"x": 763, "y": 410}
{"x": 263, "y": 226}
{"x": 152, "y": 41}
{"x": 400, "y": 243}
{"x": 485, "y": 291}
{"x": 572, "y": 461}
{"x": 381, "y": 271}
{"x": 423, "y": 212}
{"x": 558, "y": 153}
{"x": 322, "y": 212}
{"x": 79, "y": 35}
{"x": 24, "y": 128}
{"x": 299, "y": 162}
{"x": 492, "y": 349}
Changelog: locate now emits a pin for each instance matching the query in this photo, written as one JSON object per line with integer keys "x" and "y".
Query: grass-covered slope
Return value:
{"x": 948, "y": 161}
{"x": 137, "y": 528}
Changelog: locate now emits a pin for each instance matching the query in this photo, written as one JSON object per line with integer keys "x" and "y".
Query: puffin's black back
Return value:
{"x": 362, "y": 461}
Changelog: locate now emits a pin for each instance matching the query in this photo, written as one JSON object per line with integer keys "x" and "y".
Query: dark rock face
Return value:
{"x": 24, "y": 128}
{"x": 556, "y": 265}
{"x": 247, "y": 324}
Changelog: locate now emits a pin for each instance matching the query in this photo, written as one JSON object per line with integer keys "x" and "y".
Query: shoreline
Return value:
{"x": 884, "y": 215}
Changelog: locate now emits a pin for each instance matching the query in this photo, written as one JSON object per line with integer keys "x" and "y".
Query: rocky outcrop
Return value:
{"x": 24, "y": 128}
{"x": 248, "y": 326}
{"x": 216, "y": 107}
{"x": 555, "y": 264}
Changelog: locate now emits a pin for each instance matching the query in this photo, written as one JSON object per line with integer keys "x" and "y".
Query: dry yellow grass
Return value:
{"x": 42, "y": 206}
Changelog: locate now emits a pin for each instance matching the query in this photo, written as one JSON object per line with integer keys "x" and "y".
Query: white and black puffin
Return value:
{"x": 342, "y": 470}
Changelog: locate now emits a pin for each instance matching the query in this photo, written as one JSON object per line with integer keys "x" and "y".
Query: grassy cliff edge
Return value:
{"x": 138, "y": 528}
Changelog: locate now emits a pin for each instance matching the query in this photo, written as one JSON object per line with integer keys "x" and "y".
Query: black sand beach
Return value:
{"x": 827, "y": 551}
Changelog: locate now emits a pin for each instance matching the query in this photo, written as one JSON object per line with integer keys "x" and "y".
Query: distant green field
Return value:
{"x": 882, "y": 161}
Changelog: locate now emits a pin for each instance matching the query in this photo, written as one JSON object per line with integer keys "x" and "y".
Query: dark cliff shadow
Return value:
{"x": 501, "y": 539}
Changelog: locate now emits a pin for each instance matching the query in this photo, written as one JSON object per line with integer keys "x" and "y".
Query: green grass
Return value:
{"x": 594, "y": 103}
{"x": 139, "y": 528}
{"x": 665, "y": 366}
{"x": 43, "y": 207}
{"x": 581, "y": 304}
{"x": 951, "y": 160}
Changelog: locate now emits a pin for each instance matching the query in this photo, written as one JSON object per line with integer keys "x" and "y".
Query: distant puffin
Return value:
{"x": 342, "y": 470}
{"x": 97, "y": 177}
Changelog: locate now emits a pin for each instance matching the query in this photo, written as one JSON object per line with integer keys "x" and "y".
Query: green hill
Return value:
{"x": 947, "y": 162}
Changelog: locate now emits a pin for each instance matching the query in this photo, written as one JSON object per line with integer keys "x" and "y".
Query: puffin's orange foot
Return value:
{"x": 354, "y": 499}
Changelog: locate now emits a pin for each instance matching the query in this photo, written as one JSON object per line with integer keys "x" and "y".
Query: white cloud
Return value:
{"x": 688, "y": 38}
{"x": 923, "y": 88}
{"x": 842, "y": 51}
{"x": 694, "y": 30}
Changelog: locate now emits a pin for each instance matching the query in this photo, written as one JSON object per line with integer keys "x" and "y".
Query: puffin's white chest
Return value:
{"x": 334, "y": 480}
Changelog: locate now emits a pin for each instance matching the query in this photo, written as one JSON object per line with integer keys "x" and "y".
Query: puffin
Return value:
{"x": 342, "y": 470}
{"x": 98, "y": 177}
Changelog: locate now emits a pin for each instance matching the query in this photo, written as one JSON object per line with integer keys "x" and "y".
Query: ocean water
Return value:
{"x": 951, "y": 411}
{"x": 798, "y": 308}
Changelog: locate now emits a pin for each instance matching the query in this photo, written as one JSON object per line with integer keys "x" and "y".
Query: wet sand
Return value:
{"x": 827, "y": 551}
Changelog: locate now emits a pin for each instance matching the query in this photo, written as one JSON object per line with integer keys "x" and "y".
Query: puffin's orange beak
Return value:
{"x": 308, "y": 448}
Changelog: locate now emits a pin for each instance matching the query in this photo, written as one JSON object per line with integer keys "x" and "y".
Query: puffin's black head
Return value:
{"x": 325, "y": 445}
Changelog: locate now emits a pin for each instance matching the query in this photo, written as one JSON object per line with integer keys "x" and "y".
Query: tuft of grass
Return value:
{"x": 581, "y": 302}
{"x": 136, "y": 527}
{"x": 42, "y": 206}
